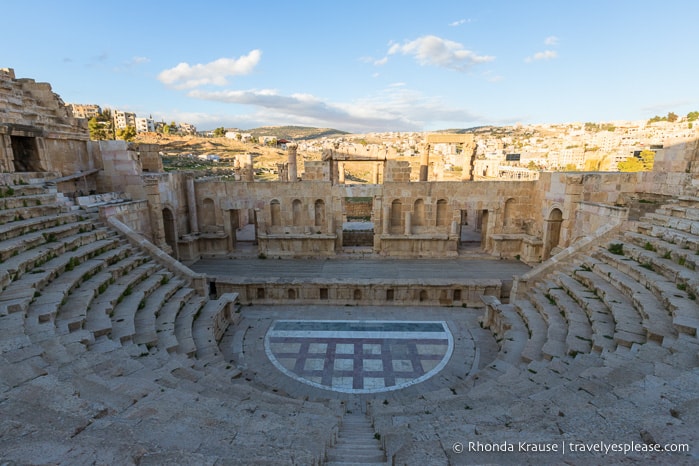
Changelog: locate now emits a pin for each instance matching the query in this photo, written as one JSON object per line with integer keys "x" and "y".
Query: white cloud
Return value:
{"x": 374, "y": 61}
{"x": 394, "y": 109}
{"x": 551, "y": 40}
{"x": 129, "y": 65}
{"x": 186, "y": 76}
{"x": 545, "y": 55}
{"x": 459, "y": 22}
{"x": 381, "y": 61}
{"x": 433, "y": 50}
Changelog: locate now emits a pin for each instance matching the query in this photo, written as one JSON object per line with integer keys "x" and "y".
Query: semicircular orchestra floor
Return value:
{"x": 364, "y": 349}
{"x": 359, "y": 356}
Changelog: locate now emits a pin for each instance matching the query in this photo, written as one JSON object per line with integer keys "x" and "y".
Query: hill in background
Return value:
{"x": 295, "y": 132}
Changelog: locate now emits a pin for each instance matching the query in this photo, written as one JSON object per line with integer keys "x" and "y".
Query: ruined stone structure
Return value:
{"x": 113, "y": 351}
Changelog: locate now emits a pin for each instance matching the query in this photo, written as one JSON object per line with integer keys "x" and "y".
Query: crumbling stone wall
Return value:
{"x": 37, "y": 131}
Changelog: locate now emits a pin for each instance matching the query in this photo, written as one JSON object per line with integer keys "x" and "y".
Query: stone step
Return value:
{"x": 145, "y": 320}
{"x": 669, "y": 221}
{"x": 41, "y": 277}
{"x": 183, "y": 325}
{"x": 681, "y": 304}
{"x": 72, "y": 313}
{"x": 21, "y": 227}
{"x": 629, "y": 323}
{"x": 556, "y": 332}
{"x": 211, "y": 323}
{"x": 28, "y": 211}
{"x": 37, "y": 258}
{"x": 536, "y": 328}
{"x": 515, "y": 338}
{"x": 165, "y": 320}
{"x": 356, "y": 443}
{"x": 131, "y": 301}
{"x": 14, "y": 246}
{"x": 27, "y": 200}
{"x": 656, "y": 319}
{"x": 680, "y": 272}
{"x": 98, "y": 319}
{"x": 579, "y": 337}
{"x": 601, "y": 320}
{"x": 664, "y": 241}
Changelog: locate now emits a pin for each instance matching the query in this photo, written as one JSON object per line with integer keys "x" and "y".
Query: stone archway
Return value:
{"x": 552, "y": 234}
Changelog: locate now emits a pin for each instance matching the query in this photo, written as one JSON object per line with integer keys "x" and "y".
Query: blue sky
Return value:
{"x": 362, "y": 66}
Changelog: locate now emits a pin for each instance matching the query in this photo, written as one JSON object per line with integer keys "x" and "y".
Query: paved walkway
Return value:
{"x": 409, "y": 269}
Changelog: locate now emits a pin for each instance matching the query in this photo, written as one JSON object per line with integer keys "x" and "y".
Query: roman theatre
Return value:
{"x": 152, "y": 317}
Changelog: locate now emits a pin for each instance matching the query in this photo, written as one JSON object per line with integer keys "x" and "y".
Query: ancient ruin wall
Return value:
{"x": 37, "y": 130}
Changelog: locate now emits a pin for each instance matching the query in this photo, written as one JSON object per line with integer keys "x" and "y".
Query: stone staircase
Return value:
{"x": 357, "y": 443}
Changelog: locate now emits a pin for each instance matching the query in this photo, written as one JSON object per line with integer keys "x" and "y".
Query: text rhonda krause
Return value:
{"x": 575, "y": 447}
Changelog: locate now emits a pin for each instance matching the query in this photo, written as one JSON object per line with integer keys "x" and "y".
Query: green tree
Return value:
{"x": 98, "y": 132}
{"x": 220, "y": 132}
{"x": 642, "y": 163}
{"x": 672, "y": 117}
{"x": 127, "y": 134}
{"x": 106, "y": 115}
{"x": 648, "y": 159}
{"x": 692, "y": 116}
{"x": 631, "y": 164}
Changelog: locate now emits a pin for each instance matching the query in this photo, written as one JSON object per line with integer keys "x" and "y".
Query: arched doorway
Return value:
{"x": 296, "y": 213}
{"x": 170, "y": 231}
{"x": 319, "y": 213}
{"x": 552, "y": 235}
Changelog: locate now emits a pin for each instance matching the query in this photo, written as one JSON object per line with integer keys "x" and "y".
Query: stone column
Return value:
{"x": 192, "y": 206}
{"x": 424, "y": 163}
{"x": 291, "y": 152}
{"x": 386, "y": 224}
{"x": 331, "y": 223}
{"x": 228, "y": 230}
{"x": 248, "y": 172}
{"x": 375, "y": 174}
{"x": 454, "y": 228}
{"x": 341, "y": 172}
{"x": 152, "y": 188}
{"x": 408, "y": 223}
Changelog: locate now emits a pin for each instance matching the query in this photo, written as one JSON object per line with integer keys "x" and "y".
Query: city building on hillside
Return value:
{"x": 187, "y": 128}
{"x": 144, "y": 125}
{"x": 124, "y": 119}
{"x": 85, "y": 110}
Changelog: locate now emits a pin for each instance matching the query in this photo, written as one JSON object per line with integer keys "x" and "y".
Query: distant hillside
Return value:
{"x": 295, "y": 132}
